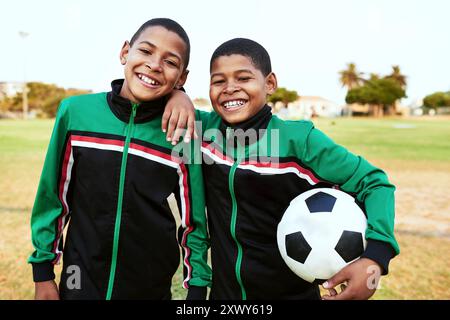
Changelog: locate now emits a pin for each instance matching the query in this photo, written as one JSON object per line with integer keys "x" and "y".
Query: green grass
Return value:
{"x": 422, "y": 271}
{"x": 399, "y": 139}
{"x": 22, "y": 150}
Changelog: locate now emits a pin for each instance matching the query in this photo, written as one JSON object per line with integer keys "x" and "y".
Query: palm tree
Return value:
{"x": 350, "y": 78}
{"x": 374, "y": 76}
{"x": 398, "y": 76}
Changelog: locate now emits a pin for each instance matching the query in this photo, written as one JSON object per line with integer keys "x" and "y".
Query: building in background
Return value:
{"x": 306, "y": 107}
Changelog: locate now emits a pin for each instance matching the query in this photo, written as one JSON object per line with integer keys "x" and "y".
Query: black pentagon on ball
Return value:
{"x": 320, "y": 202}
{"x": 297, "y": 247}
{"x": 350, "y": 245}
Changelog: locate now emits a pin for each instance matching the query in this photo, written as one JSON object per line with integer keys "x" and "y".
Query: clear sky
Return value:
{"x": 76, "y": 43}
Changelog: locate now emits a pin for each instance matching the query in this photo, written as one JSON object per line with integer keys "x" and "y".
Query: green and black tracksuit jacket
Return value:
{"x": 108, "y": 173}
{"x": 246, "y": 196}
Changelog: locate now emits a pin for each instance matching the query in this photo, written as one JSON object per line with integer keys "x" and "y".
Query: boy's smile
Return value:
{"x": 154, "y": 65}
{"x": 238, "y": 90}
{"x": 148, "y": 81}
{"x": 233, "y": 105}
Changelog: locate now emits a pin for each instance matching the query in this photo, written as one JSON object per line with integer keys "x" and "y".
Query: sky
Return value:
{"x": 76, "y": 43}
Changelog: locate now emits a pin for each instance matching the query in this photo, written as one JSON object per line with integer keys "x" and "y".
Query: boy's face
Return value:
{"x": 238, "y": 90}
{"x": 154, "y": 65}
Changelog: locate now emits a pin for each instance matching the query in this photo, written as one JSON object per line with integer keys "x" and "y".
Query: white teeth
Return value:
{"x": 234, "y": 103}
{"x": 148, "y": 80}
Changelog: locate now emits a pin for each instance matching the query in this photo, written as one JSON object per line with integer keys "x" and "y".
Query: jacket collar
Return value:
{"x": 121, "y": 107}
{"x": 258, "y": 122}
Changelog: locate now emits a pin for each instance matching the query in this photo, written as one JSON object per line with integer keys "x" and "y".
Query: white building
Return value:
{"x": 415, "y": 107}
{"x": 307, "y": 107}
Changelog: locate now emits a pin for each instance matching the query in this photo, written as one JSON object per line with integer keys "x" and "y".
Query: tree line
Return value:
{"x": 379, "y": 92}
{"x": 437, "y": 100}
{"x": 43, "y": 99}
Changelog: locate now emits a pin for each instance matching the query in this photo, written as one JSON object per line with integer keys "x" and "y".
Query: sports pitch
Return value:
{"x": 415, "y": 153}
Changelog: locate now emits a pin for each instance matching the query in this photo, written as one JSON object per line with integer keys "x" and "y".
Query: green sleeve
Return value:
{"x": 195, "y": 259}
{"x": 48, "y": 208}
{"x": 202, "y": 118}
{"x": 355, "y": 175}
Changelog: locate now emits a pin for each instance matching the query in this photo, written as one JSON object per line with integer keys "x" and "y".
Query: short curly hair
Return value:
{"x": 248, "y": 48}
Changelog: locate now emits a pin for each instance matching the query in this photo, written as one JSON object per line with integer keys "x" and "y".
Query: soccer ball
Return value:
{"x": 321, "y": 232}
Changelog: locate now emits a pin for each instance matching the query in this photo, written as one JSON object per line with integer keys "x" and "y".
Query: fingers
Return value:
{"x": 195, "y": 133}
{"x": 172, "y": 124}
{"x": 332, "y": 292}
{"x": 338, "y": 278}
{"x": 190, "y": 129}
{"x": 345, "y": 294}
{"x": 180, "y": 128}
{"x": 165, "y": 119}
{"x": 175, "y": 124}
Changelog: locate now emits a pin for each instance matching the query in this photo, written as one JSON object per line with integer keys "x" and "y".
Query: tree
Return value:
{"x": 5, "y": 104}
{"x": 39, "y": 96}
{"x": 283, "y": 95}
{"x": 43, "y": 97}
{"x": 437, "y": 99}
{"x": 397, "y": 76}
{"x": 378, "y": 93}
{"x": 351, "y": 77}
{"x": 373, "y": 76}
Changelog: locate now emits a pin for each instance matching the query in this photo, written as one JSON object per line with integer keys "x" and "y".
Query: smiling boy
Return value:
{"x": 109, "y": 170}
{"x": 246, "y": 195}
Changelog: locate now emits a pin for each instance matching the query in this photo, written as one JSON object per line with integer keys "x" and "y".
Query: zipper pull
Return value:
{"x": 133, "y": 110}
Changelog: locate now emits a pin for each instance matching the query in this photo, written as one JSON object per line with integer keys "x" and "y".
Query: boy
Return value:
{"x": 109, "y": 168}
{"x": 246, "y": 195}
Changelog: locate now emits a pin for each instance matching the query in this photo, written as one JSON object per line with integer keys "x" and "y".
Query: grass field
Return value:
{"x": 414, "y": 152}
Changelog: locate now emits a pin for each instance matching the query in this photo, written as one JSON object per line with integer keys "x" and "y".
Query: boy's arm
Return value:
{"x": 355, "y": 175}
{"x": 47, "y": 219}
{"x": 193, "y": 234}
{"x": 370, "y": 185}
{"x": 179, "y": 117}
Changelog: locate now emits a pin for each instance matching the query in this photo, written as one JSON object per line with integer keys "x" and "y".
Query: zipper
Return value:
{"x": 123, "y": 168}
{"x": 234, "y": 211}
